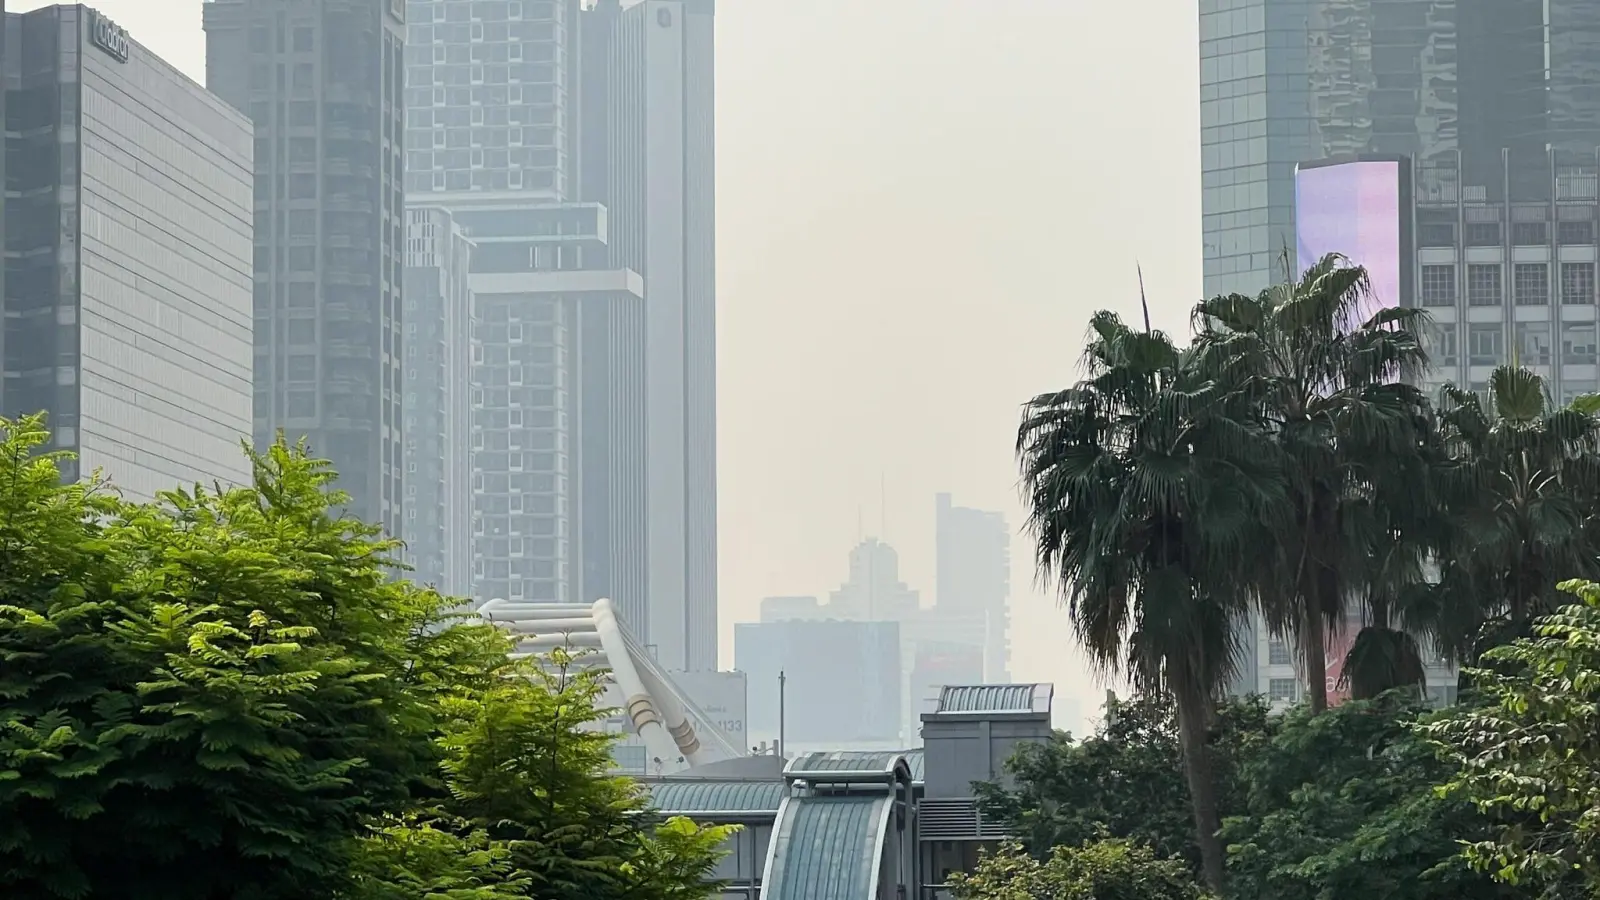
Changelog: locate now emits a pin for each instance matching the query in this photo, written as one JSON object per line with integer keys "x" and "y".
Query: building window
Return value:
{"x": 1483, "y": 234}
{"x": 1531, "y": 282}
{"x": 1575, "y": 232}
{"x": 1533, "y": 343}
{"x": 1442, "y": 344}
{"x": 1529, "y": 234}
{"x": 1577, "y": 343}
{"x": 1437, "y": 234}
{"x": 1483, "y": 285}
{"x": 1485, "y": 343}
{"x": 1577, "y": 283}
{"x": 1438, "y": 285}
{"x": 1281, "y": 689}
{"x": 1278, "y": 653}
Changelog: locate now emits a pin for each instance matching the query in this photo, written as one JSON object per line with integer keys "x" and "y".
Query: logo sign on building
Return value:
{"x": 110, "y": 37}
{"x": 722, "y": 697}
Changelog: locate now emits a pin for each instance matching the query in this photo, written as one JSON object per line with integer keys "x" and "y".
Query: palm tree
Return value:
{"x": 1521, "y": 507}
{"x": 1148, "y": 496}
{"x": 1326, "y": 369}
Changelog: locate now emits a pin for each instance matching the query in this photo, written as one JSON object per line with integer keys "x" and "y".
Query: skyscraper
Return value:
{"x": 1479, "y": 88}
{"x": 594, "y": 423}
{"x": 436, "y": 400}
{"x": 127, "y": 289}
{"x": 973, "y": 575}
{"x": 1492, "y": 104}
{"x": 323, "y": 82}
{"x": 648, "y": 155}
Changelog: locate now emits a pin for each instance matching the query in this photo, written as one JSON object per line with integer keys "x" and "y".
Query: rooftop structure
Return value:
{"x": 676, "y": 735}
{"x": 863, "y": 824}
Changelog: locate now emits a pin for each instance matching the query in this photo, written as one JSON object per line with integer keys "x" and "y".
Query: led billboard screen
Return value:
{"x": 1354, "y": 208}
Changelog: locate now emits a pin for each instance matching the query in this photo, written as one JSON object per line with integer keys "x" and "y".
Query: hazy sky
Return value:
{"x": 920, "y": 202}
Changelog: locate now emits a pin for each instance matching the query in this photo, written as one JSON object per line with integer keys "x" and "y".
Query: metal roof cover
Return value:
{"x": 828, "y": 848}
{"x": 996, "y": 698}
{"x": 846, "y": 761}
{"x": 917, "y": 761}
{"x": 691, "y": 796}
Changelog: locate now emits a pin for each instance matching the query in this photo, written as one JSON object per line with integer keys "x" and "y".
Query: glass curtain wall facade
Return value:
{"x": 323, "y": 82}
{"x": 1494, "y": 103}
{"x": 128, "y": 256}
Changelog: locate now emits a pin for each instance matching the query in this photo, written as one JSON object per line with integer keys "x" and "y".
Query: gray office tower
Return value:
{"x": 436, "y": 400}
{"x": 648, "y": 156}
{"x": 322, "y": 80}
{"x": 1492, "y": 99}
{"x": 1494, "y": 105}
{"x": 127, "y": 290}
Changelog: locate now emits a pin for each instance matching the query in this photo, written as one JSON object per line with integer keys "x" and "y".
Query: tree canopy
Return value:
{"x": 1284, "y": 464}
{"x": 227, "y": 694}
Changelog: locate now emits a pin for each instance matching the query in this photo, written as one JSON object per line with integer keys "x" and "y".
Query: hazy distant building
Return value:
{"x": 842, "y": 682}
{"x": 127, "y": 288}
{"x": 783, "y": 609}
{"x": 436, "y": 400}
{"x": 973, "y": 575}
{"x": 323, "y": 80}
{"x": 874, "y": 591}
{"x": 647, "y": 154}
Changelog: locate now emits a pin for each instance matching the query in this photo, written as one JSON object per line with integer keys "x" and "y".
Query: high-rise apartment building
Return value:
{"x": 323, "y": 82}
{"x": 973, "y": 575}
{"x": 647, "y": 154}
{"x": 436, "y": 400}
{"x": 543, "y": 127}
{"x": 535, "y": 396}
{"x": 491, "y": 92}
{"x": 127, "y": 289}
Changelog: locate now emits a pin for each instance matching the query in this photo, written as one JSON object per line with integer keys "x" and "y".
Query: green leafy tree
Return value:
{"x": 1148, "y": 498}
{"x": 1524, "y": 484}
{"x": 1102, "y": 870}
{"x": 1125, "y": 781}
{"x": 226, "y": 694}
{"x": 1323, "y": 365}
{"x": 1344, "y": 805}
{"x": 1528, "y": 754}
{"x": 526, "y": 766}
{"x": 202, "y": 698}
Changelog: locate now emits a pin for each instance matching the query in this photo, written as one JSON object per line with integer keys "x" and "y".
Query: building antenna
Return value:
{"x": 782, "y": 718}
{"x": 883, "y": 505}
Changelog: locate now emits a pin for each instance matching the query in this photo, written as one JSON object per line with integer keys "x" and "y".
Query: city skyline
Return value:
{"x": 834, "y": 188}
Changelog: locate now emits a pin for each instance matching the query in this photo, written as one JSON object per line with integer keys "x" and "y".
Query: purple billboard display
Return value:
{"x": 1353, "y": 208}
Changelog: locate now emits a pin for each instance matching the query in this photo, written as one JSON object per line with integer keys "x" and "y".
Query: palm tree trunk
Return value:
{"x": 1192, "y": 714}
{"x": 1313, "y": 637}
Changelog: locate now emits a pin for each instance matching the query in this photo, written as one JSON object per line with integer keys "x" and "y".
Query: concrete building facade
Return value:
{"x": 648, "y": 155}
{"x": 436, "y": 400}
{"x": 323, "y": 82}
{"x": 127, "y": 293}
